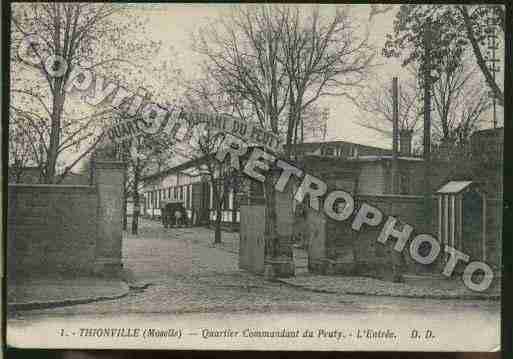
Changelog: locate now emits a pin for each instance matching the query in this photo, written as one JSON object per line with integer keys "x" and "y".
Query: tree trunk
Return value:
{"x": 218, "y": 203}
{"x": 479, "y": 56}
{"x": 51, "y": 161}
{"x": 135, "y": 214}
{"x": 290, "y": 126}
{"x": 234, "y": 210}
{"x": 271, "y": 238}
{"x": 271, "y": 233}
{"x": 135, "y": 222}
{"x": 125, "y": 215}
{"x": 126, "y": 191}
{"x": 217, "y": 232}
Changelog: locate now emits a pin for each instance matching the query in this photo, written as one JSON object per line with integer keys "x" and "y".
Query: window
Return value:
{"x": 404, "y": 183}
{"x": 181, "y": 192}
{"x": 169, "y": 193}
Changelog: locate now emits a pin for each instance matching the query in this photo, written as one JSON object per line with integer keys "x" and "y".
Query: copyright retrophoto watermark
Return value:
{"x": 325, "y": 177}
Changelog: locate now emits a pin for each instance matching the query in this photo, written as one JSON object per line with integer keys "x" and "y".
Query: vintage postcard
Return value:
{"x": 255, "y": 176}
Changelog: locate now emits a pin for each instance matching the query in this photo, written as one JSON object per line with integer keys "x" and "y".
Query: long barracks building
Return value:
{"x": 190, "y": 181}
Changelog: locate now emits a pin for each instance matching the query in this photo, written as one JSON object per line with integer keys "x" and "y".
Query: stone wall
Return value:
{"x": 69, "y": 229}
{"x": 51, "y": 228}
{"x": 377, "y": 259}
{"x": 334, "y": 248}
{"x": 494, "y": 233}
{"x": 371, "y": 178}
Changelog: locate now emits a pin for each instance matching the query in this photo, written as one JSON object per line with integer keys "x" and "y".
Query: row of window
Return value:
{"x": 228, "y": 197}
{"x": 349, "y": 151}
{"x": 182, "y": 193}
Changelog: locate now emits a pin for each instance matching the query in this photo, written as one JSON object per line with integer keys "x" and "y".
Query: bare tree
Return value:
{"x": 322, "y": 57}
{"x": 205, "y": 96}
{"x": 216, "y": 173}
{"x": 459, "y": 101}
{"x": 23, "y": 150}
{"x": 456, "y": 28}
{"x": 376, "y": 105}
{"x": 475, "y": 29}
{"x": 242, "y": 54}
{"x": 140, "y": 155}
{"x": 280, "y": 60}
{"x": 79, "y": 33}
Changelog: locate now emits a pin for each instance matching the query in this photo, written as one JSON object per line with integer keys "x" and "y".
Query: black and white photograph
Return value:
{"x": 224, "y": 176}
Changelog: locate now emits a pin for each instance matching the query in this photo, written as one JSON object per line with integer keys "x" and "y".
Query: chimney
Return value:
{"x": 405, "y": 138}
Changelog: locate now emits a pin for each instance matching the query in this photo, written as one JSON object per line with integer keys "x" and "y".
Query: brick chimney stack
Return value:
{"x": 405, "y": 137}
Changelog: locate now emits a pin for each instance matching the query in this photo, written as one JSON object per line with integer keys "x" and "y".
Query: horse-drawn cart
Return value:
{"x": 173, "y": 213}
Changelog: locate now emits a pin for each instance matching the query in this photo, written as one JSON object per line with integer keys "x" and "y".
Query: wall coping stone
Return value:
{"x": 50, "y": 188}
{"x": 109, "y": 164}
{"x": 405, "y": 196}
{"x": 391, "y": 196}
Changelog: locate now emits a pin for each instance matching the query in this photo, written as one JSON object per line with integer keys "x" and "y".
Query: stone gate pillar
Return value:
{"x": 108, "y": 177}
{"x": 279, "y": 260}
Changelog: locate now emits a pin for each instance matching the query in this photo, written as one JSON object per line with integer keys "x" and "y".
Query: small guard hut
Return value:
{"x": 462, "y": 218}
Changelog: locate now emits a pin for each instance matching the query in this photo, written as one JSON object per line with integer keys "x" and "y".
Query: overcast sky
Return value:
{"x": 174, "y": 23}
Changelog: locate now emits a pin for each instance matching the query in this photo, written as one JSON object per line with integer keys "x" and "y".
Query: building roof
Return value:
{"x": 489, "y": 132}
{"x": 315, "y": 145}
{"x": 190, "y": 167}
{"x": 31, "y": 174}
{"x": 187, "y": 167}
{"x": 370, "y": 158}
{"x": 454, "y": 187}
{"x": 183, "y": 167}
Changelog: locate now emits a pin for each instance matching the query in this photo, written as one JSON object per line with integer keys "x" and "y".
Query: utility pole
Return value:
{"x": 325, "y": 116}
{"x": 491, "y": 58}
{"x": 427, "y": 127}
{"x": 395, "y": 135}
